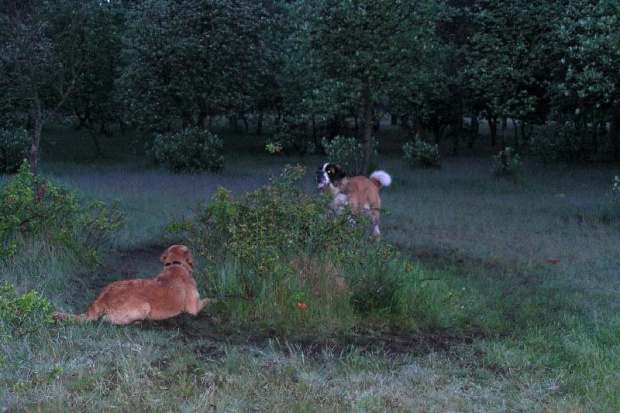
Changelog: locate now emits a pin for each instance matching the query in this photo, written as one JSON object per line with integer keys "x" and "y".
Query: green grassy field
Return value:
{"x": 525, "y": 269}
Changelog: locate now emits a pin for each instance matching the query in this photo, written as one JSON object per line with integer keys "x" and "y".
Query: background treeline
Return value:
{"x": 307, "y": 66}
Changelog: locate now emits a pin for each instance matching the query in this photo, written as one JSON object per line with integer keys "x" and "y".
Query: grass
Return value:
{"x": 528, "y": 266}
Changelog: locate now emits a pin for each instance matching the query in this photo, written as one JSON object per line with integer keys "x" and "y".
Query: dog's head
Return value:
{"x": 329, "y": 174}
{"x": 177, "y": 254}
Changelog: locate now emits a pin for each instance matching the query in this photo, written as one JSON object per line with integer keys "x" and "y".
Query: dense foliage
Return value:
{"x": 348, "y": 152}
{"x": 309, "y": 65}
{"x": 14, "y": 148}
{"x": 420, "y": 153}
{"x": 189, "y": 150}
{"x": 21, "y": 314}
{"x": 32, "y": 207}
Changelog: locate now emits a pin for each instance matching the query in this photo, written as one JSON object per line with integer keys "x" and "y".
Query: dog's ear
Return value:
{"x": 339, "y": 173}
{"x": 189, "y": 258}
{"x": 163, "y": 257}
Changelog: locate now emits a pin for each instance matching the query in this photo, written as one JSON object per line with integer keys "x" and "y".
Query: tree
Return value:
{"x": 93, "y": 98}
{"x": 432, "y": 96}
{"x": 40, "y": 59}
{"x": 192, "y": 59}
{"x": 508, "y": 57}
{"x": 363, "y": 48}
{"x": 588, "y": 52}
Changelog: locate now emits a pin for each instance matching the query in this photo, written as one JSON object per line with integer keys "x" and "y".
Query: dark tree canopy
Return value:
{"x": 159, "y": 65}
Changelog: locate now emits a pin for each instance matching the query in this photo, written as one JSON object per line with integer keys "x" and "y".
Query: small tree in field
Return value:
{"x": 41, "y": 58}
{"x": 364, "y": 48}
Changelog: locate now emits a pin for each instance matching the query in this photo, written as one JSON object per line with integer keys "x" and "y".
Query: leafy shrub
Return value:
{"x": 420, "y": 153}
{"x": 610, "y": 211}
{"x": 348, "y": 152}
{"x": 506, "y": 162}
{"x": 21, "y": 314}
{"x": 560, "y": 142}
{"x": 292, "y": 134}
{"x": 263, "y": 227}
{"x": 14, "y": 147}
{"x": 189, "y": 150}
{"x": 32, "y": 207}
{"x": 279, "y": 257}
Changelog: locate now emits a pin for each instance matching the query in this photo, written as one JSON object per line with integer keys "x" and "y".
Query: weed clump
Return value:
{"x": 506, "y": 163}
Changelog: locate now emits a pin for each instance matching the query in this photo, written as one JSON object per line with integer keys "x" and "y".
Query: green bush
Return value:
{"x": 610, "y": 211}
{"x": 506, "y": 162}
{"x": 14, "y": 147}
{"x": 291, "y": 134}
{"x": 268, "y": 225}
{"x": 420, "y": 153}
{"x": 348, "y": 152}
{"x": 560, "y": 142}
{"x": 279, "y": 258}
{"x": 32, "y": 207}
{"x": 190, "y": 150}
{"x": 21, "y": 314}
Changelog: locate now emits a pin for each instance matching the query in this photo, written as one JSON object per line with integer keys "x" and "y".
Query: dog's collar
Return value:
{"x": 168, "y": 264}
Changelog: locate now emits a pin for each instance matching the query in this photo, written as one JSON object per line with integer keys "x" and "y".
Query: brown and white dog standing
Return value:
{"x": 172, "y": 292}
{"x": 359, "y": 192}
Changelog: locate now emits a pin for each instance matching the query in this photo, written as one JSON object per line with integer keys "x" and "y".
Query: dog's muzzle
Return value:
{"x": 321, "y": 179}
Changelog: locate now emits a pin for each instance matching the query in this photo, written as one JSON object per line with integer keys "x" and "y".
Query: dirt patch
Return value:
{"x": 202, "y": 328}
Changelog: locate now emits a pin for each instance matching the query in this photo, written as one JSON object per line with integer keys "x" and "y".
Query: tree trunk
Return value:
{"x": 95, "y": 138}
{"x": 436, "y": 130}
{"x": 232, "y": 121}
{"x": 246, "y": 124}
{"x": 259, "y": 123}
{"x": 614, "y": 131}
{"x": 367, "y": 129}
{"x": 514, "y": 124}
{"x": 393, "y": 119}
{"x": 493, "y": 128}
{"x": 473, "y": 130}
{"x": 314, "y": 131}
{"x": 524, "y": 137}
{"x": 36, "y": 137}
{"x": 456, "y": 133}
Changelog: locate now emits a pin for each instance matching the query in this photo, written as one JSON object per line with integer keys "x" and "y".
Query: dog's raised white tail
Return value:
{"x": 383, "y": 177}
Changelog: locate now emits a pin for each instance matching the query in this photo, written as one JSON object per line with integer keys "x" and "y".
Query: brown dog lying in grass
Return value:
{"x": 171, "y": 293}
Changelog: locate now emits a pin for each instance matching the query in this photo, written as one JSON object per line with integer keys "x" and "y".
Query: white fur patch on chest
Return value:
{"x": 340, "y": 200}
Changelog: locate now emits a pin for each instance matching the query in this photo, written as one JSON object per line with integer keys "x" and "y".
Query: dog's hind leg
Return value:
{"x": 375, "y": 223}
{"x": 129, "y": 313}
